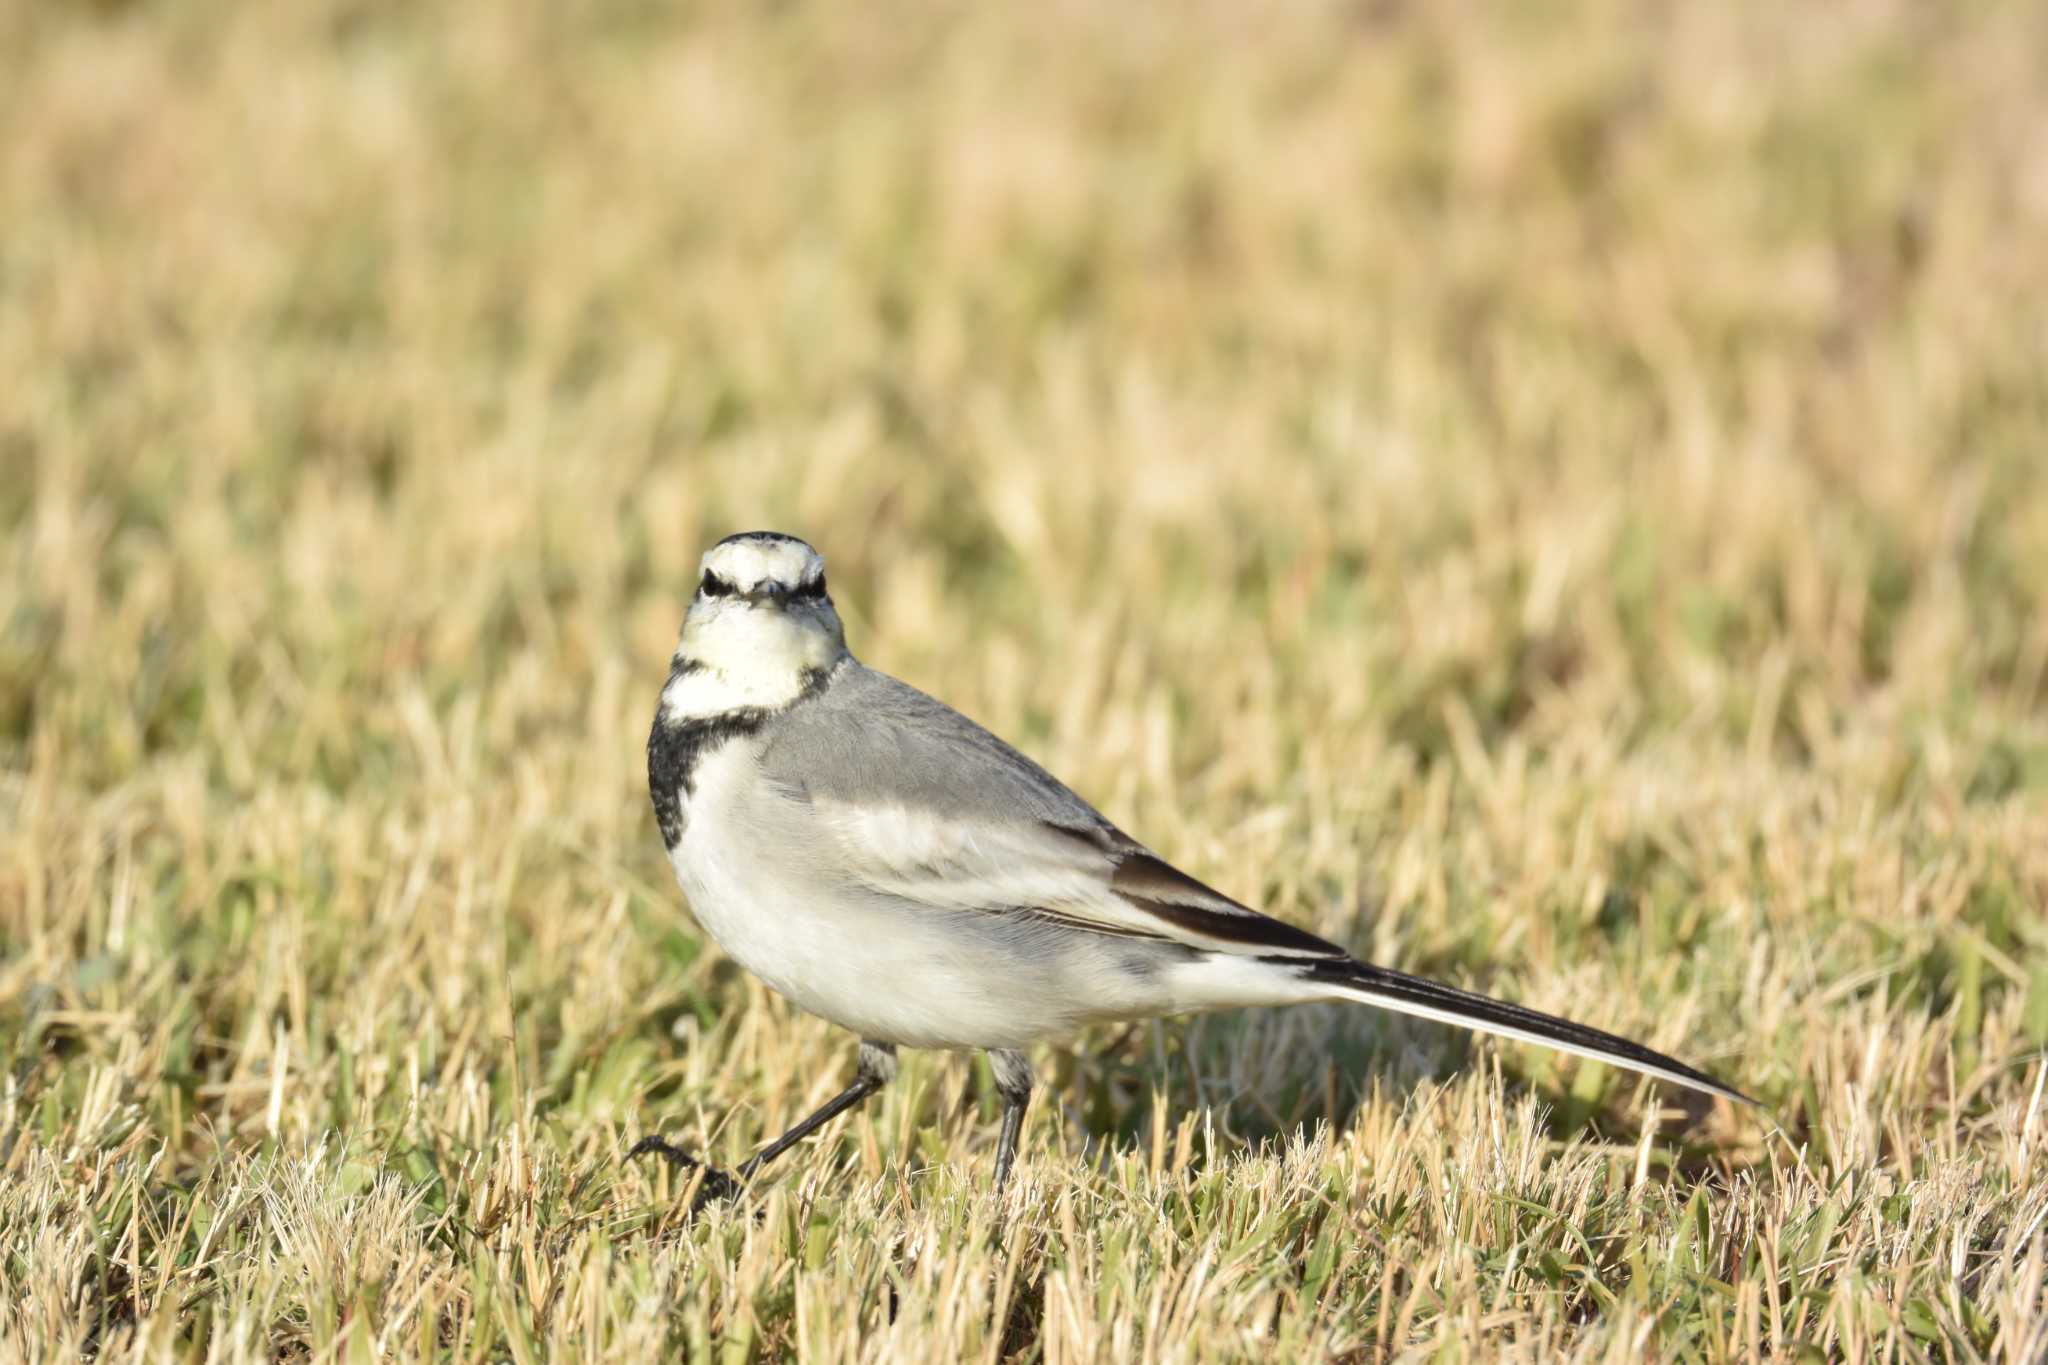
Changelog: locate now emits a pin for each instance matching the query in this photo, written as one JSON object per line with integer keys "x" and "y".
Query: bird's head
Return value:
{"x": 762, "y": 620}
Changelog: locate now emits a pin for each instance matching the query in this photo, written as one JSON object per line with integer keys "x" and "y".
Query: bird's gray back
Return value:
{"x": 867, "y": 738}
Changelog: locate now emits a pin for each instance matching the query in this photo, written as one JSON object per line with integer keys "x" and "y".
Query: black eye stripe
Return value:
{"x": 714, "y": 586}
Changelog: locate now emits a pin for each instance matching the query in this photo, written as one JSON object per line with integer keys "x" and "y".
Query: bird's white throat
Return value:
{"x": 734, "y": 657}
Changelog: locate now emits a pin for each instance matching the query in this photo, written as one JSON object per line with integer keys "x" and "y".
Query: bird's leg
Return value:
{"x": 877, "y": 1068}
{"x": 1013, "y": 1083}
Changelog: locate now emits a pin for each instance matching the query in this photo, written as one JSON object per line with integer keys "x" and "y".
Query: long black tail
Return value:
{"x": 1361, "y": 981}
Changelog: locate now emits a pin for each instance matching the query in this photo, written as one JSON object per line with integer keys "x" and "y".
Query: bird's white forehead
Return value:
{"x": 756, "y": 559}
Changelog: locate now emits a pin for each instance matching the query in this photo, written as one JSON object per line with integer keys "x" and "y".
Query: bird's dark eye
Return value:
{"x": 812, "y": 591}
{"x": 714, "y": 586}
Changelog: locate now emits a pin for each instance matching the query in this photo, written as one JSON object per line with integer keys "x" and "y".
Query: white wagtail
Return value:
{"x": 886, "y": 863}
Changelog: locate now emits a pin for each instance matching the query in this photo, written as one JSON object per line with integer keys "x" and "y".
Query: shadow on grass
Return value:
{"x": 1260, "y": 1093}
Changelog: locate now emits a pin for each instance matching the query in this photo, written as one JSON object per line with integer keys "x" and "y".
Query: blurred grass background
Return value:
{"x": 1553, "y": 496}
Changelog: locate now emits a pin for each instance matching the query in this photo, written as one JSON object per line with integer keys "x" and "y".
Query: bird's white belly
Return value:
{"x": 894, "y": 973}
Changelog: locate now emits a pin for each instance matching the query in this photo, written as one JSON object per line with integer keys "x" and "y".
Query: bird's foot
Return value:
{"x": 717, "y": 1186}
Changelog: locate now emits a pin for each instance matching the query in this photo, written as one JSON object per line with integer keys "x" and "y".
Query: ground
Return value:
{"x": 1552, "y": 497}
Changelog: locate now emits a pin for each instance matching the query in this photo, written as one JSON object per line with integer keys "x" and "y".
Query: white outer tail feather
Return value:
{"x": 1557, "y": 1034}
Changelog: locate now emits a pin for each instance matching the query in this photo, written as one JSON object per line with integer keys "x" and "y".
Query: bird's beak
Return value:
{"x": 768, "y": 592}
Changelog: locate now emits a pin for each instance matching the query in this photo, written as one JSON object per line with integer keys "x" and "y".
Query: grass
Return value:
{"x": 1553, "y": 498}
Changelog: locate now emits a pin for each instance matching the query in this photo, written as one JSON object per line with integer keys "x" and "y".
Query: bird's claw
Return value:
{"x": 717, "y": 1186}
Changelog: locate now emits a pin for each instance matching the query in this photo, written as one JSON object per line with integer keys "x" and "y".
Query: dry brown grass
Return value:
{"x": 1557, "y": 502}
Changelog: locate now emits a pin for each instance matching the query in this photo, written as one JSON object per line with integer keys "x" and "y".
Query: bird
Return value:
{"x": 884, "y": 862}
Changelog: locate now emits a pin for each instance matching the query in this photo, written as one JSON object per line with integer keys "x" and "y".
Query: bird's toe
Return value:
{"x": 716, "y": 1187}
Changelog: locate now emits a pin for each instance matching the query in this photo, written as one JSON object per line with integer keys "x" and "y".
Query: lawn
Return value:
{"x": 1552, "y": 497}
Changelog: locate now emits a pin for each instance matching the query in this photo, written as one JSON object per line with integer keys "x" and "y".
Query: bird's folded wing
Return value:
{"x": 1095, "y": 878}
